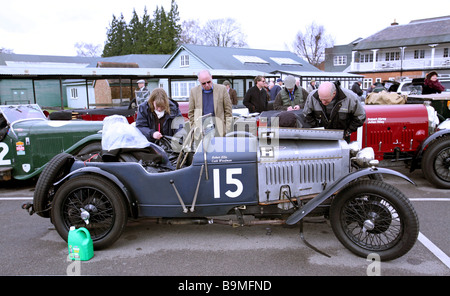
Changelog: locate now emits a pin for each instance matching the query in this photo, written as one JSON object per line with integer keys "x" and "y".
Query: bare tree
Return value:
{"x": 311, "y": 44}
{"x": 6, "y": 50}
{"x": 219, "y": 32}
{"x": 88, "y": 49}
{"x": 190, "y": 33}
{"x": 223, "y": 32}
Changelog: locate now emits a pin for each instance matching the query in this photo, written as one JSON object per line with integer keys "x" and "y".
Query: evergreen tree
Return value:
{"x": 116, "y": 42}
{"x": 136, "y": 34}
{"x": 144, "y": 36}
{"x": 147, "y": 34}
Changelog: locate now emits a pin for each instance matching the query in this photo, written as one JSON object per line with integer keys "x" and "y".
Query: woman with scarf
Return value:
{"x": 432, "y": 84}
{"x": 155, "y": 117}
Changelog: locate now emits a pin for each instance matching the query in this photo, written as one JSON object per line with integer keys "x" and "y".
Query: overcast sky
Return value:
{"x": 48, "y": 27}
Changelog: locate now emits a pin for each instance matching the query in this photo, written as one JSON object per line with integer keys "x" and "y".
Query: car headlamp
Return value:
{"x": 366, "y": 157}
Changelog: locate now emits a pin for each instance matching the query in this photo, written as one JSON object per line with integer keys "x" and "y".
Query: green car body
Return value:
{"x": 29, "y": 140}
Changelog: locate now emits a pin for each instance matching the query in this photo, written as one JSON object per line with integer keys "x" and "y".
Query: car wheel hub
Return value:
{"x": 86, "y": 212}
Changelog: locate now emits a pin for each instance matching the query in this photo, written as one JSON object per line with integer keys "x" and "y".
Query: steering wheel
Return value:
{"x": 165, "y": 143}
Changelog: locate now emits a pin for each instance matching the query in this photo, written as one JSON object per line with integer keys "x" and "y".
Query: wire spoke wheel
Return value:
{"x": 370, "y": 216}
{"x": 92, "y": 202}
{"x": 436, "y": 162}
{"x": 442, "y": 164}
{"x": 89, "y": 208}
{"x": 371, "y": 222}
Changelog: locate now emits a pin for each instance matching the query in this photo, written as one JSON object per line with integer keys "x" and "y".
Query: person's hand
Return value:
{"x": 296, "y": 107}
{"x": 290, "y": 108}
{"x": 157, "y": 135}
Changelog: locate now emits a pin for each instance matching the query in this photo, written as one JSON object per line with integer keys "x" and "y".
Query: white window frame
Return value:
{"x": 181, "y": 89}
{"x": 366, "y": 58}
{"x": 340, "y": 60}
{"x": 419, "y": 54}
{"x": 392, "y": 56}
{"x": 74, "y": 93}
{"x": 367, "y": 82}
{"x": 184, "y": 60}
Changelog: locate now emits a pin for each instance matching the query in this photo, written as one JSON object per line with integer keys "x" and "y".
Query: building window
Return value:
{"x": 181, "y": 89}
{"x": 286, "y": 61}
{"x": 419, "y": 54}
{"x": 367, "y": 82}
{"x": 446, "y": 52}
{"x": 340, "y": 60}
{"x": 250, "y": 59}
{"x": 74, "y": 93}
{"x": 184, "y": 62}
{"x": 366, "y": 58}
{"x": 393, "y": 56}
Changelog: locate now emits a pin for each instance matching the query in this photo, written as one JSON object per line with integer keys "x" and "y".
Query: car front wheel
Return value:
{"x": 370, "y": 216}
{"x": 94, "y": 203}
{"x": 436, "y": 163}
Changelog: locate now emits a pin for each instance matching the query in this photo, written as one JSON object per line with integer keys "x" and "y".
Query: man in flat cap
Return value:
{"x": 142, "y": 93}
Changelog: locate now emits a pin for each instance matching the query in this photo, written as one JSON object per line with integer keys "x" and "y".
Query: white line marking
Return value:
{"x": 17, "y": 198}
{"x": 429, "y": 199}
{"x": 434, "y": 249}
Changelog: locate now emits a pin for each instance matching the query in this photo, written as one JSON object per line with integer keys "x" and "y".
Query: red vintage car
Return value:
{"x": 409, "y": 133}
{"x": 94, "y": 114}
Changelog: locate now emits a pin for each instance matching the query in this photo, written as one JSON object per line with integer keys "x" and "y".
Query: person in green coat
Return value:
{"x": 291, "y": 97}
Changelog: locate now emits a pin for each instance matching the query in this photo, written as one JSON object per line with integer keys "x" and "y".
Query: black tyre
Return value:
{"x": 90, "y": 150}
{"x": 436, "y": 163}
{"x": 55, "y": 169}
{"x": 370, "y": 216}
{"x": 94, "y": 203}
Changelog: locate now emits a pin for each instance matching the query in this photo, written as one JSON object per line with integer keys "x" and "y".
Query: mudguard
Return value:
{"x": 339, "y": 184}
{"x": 133, "y": 205}
{"x": 419, "y": 152}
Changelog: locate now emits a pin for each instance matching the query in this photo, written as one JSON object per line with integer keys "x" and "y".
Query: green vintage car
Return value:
{"x": 28, "y": 140}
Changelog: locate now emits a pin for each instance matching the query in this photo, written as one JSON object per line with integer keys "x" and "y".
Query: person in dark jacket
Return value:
{"x": 356, "y": 88}
{"x": 276, "y": 89}
{"x": 431, "y": 84}
{"x": 333, "y": 107}
{"x": 155, "y": 117}
{"x": 256, "y": 97}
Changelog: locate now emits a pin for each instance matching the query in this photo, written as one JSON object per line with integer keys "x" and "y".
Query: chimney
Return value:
{"x": 394, "y": 23}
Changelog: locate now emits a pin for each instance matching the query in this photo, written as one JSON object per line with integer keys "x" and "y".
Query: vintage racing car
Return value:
{"x": 277, "y": 175}
{"x": 409, "y": 133}
{"x": 28, "y": 140}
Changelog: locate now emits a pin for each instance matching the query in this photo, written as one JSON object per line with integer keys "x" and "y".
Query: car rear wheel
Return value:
{"x": 55, "y": 169}
{"x": 436, "y": 163}
{"x": 94, "y": 203}
{"x": 90, "y": 150}
{"x": 370, "y": 216}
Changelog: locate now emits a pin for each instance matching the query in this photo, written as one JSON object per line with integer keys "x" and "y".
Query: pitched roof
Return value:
{"x": 417, "y": 32}
{"x": 231, "y": 58}
{"x": 143, "y": 60}
{"x": 28, "y": 58}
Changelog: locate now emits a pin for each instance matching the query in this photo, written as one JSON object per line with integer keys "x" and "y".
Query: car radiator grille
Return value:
{"x": 303, "y": 177}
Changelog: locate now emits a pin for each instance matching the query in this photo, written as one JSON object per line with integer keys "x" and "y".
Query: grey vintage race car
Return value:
{"x": 277, "y": 175}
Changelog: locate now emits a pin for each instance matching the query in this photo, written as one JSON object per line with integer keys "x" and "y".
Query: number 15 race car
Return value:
{"x": 277, "y": 175}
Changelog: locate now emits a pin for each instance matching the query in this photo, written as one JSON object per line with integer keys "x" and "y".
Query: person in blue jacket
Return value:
{"x": 156, "y": 117}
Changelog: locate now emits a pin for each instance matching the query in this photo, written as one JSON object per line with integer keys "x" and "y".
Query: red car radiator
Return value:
{"x": 393, "y": 130}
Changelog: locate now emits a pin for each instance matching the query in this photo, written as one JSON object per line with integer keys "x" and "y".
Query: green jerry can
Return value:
{"x": 80, "y": 244}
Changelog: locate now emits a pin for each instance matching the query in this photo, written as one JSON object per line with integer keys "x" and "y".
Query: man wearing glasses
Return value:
{"x": 211, "y": 98}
